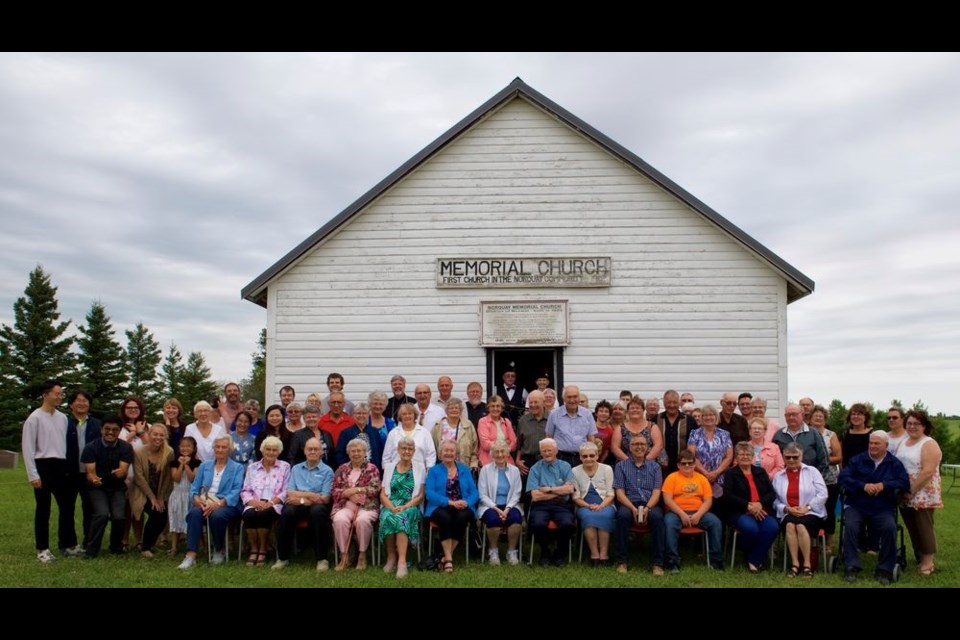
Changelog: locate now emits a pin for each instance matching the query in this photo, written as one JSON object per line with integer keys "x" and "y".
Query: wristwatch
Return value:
{"x": 301, "y": 501}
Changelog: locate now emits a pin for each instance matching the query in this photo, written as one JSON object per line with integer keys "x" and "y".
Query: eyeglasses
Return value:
{"x": 685, "y": 464}
{"x": 791, "y": 457}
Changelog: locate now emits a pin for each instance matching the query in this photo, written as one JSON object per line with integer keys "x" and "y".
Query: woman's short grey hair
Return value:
{"x": 359, "y": 442}
{"x": 793, "y": 447}
{"x": 377, "y": 395}
{"x": 709, "y": 408}
{"x": 743, "y": 447}
{"x": 761, "y": 401}
{"x": 272, "y": 442}
{"x": 405, "y": 441}
{"x": 500, "y": 446}
{"x": 455, "y": 402}
{"x": 203, "y": 404}
{"x": 361, "y": 406}
{"x": 253, "y": 404}
{"x": 590, "y": 446}
{"x": 225, "y": 437}
{"x": 619, "y": 404}
{"x": 295, "y": 406}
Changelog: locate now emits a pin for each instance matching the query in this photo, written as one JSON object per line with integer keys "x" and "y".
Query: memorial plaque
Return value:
{"x": 502, "y": 273}
{"x": 540, "y": 323}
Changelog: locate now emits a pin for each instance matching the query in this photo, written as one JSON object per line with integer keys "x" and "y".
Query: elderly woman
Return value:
{"x": 549, "y": 400}
{"x": 264, "y": 492}
{"x": 295, "y": 417}
{"x": 800, "y": 498}
{"x": 363, "y": 430}
{"x": 766, "y": 454}
{"x": 455, "y": 426}
{"x": 818, "y": 421}
{"x": 758, "y": 409}
{"x": 637, "y": 426}
{"x": 215, "y": 494}
{"x": 401, "y": 495}
{"x": 451, "y": 499}
{"x": 204, "y": 430}
{"x": 604, "y": 429}
{"x": 425, "y": 454}
{"x": 173, "y": 421}
{"x": 152, "y": 485}
{"x": 921, "y": 456}
{"x": 356, "y": 496}
{"x": 243, "y": 441}
{"x": 593, "y": 496}
{"x": 749, "y": 496}
{"x": 652, "y": 408}
{"x": 713, "y": 450}
{"x": 500, "y": 489}
{"x": 495, "y": 427}
{"x": 314, "y": 400}
{"x": 378, "y": 420}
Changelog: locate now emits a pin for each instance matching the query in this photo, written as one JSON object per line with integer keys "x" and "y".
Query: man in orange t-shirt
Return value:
{"x": 687, "y": 498}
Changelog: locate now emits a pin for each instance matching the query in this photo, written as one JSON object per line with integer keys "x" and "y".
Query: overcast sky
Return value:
{"x": 162, "y": 184}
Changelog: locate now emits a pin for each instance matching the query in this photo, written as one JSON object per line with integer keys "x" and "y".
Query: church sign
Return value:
{"x": 580, "y": 271}
{"x": 512, "y": 323}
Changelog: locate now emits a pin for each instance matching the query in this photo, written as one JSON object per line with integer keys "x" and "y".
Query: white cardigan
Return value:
{"x": 813, "y": 491}
{"x": 424, "y": 454}
{"x": 487, "y": 486}
{"x": 419, "y": 476}
{"x": 602, "y": 481}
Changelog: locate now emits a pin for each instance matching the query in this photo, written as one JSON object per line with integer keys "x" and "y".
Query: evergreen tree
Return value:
{"x": 102, "y": 373}
{"x": 254, "y": 387}
{"x": 143, "y": 356}
{"x": 196, "y": 381}
{"x": 171, "y": 375}
{"x": 837, "y": 418}
{"x": 31, "y": 351}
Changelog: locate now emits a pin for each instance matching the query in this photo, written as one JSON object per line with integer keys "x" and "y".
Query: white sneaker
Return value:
{"x": 493, "y": 557}
{"x": 280, "y": 564}
{"x": 188, "y": 563}
{"x": 45, "y": 556}
{"x": 218, "y": 558}
{"x": 322, "y": 566}
{"x": 74, "y": 551}
{"x": 513, "y": 557}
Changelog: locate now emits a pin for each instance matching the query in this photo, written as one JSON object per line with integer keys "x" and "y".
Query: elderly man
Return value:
{"x": 743, "y": 403}
{"x": 796, "y": 430}
{"x": 807, "y": 405}
{"x": 637, "y": 482}
{"x": 686, "y": 397}
{"x": 337, "y": 418}
{"x": 297, "y": 453}
{"x": 335, "y": 385}
{"x": 687, "y": 498}
{"x": 308, "y": 498}
{"x": 571, "y": 425}
{"x": 675, "y": 427}
{"x": 871, "y": 481}
{"x": 530, "y": 431}
{"x": 232, "y": 406}
{"x": 514, "y": 397}
{"x": 733, "y": 422}
{"x": 428, "y": 414}
{"x": 444, "y": 392}
{"x": 476, "y": 407}
{"x": 550, "y": 485}
{"x": 398, "y": 384}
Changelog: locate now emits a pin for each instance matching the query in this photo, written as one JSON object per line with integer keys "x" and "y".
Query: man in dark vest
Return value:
{"x": 675, "y": 427}
{"x": 514, "y": 397}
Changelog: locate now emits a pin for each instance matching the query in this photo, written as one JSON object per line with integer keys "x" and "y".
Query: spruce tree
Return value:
{"x": 102, "y": 371}
{"x": 196, "y": 382}
{"x": 171, "y": 374}
{"x": 143, "y": 356}
{"x": 254, "y": 387}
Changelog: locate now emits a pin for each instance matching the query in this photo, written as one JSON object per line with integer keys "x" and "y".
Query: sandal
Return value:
{"x": 752, "y": 569}
{"x": 261, "y": 559}
{"x": 794, "y": 571}
{"x": 252, "y": 559}
{"x": 928, "y": 571}
{"x": 807, "y": 572}
{"x": 448, "y": 566}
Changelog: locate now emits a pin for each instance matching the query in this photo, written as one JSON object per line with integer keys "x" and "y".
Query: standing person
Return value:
{"x": 531, "y": 430}
{"x": 896, "y": 426}
{"x": 363, "y": 429}
{"x": 796, "y": 430}
{"x": 233, "y": 405}
{"x": 382, "y": 423}
{"x": 675, "y": 427}
{"x": 183, "y": 469}
{"x": 457, "y": 428}
{"x": 204, "y": 431}
{"x": 253, "y": 408}
{"x": 274, "y": 424}
{"x": 444, "y": 391}
{"x": 743, "y": 403}
{"x": 733, "y": 423}
{"x": 337, "y": 418}
{"x": 514, "y": 397}
{"x": 398, "y": 384}
{"x": 133, "y": 423}
{"x": 637, "y": 426}
{"x": 476, "y": 407}
{"x": 294, "y": 414}
{"x": 758, "y": 409}
{"x": 311, "y": 418}
{"x": 82, "y": 429}
{"x": 549, "y": 400}
{"x": 152, "y": 485}
{"x": 427, "y": 413}
{"x": 243, "y": 441}
{"x": 287, "y": 395}
{"x": 173, "y": 421}
{"x": 921, "y": 456}
{"x": 107, "y": 461}
{"x": 45, "y": 456}
{"x": 652, "y": 408}
{"x": 493, "y": 428}
{"x": 604, "y": 430}
{"x": 857, "y": 436}
{"x": 335, "y": 384}
{"x": 570, "y": 426}
{"x": 806, "y": 406}
{"x": 818, "y": 420}
{"x": 425, "y": 453}
{"x": 713, "y": 452}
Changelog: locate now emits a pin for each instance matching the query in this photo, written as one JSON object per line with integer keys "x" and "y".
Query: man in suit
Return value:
{"x": 514, "y": 397}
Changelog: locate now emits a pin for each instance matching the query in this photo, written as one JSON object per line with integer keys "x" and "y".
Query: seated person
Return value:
{"x": 311, "y": 429}
{"x": 749, "y": 495}
{"x": 215, "y": 495}
{"x": 107, "y": 460}
{"x": 308, "y": 498}
{"x": 800, "y": 498}
{"x": 451, "y": 500}
{"x": 356, "y": 503}
{"x": 500, "y": 487}
{"x": 871, "y": 481}
{"x": 263, "y": 494}
{"x": 593, "y": 496}
{"x": 637, "y": 482}
{"x": 401, "y": 494}
{"x": 550, "y": 485}
{"x": 687, "y": 499}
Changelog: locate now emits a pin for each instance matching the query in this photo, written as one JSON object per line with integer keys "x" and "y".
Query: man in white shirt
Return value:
{"x": 428, "y": 414}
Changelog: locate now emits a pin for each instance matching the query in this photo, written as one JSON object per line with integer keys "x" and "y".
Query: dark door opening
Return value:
{"x": 529, "y": 365}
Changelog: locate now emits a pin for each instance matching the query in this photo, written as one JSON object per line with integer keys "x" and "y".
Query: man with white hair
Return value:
{"x": 571, "y": 425}
{"x": 308, "y": 498}
{"x": 734, "y": 423}
{"x": 550, "y": 485}
{"x": 444, "y": 392}
{"x": 428, "y": 414}
{"x": 871, "y": 481}
{"x": 796, "y": 430}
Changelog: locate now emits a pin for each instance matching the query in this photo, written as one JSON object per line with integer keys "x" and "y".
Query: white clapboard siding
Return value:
{"x": 688, "y": 307}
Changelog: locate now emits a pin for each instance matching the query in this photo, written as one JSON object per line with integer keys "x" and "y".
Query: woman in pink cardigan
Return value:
{"x": 495, "y": 427}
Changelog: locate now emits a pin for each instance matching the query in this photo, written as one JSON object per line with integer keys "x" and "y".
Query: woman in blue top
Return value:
{"x": 451, "y": 500}
{"x": 215, "y": 496}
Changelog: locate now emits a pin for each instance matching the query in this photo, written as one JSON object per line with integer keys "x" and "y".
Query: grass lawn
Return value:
{"x": 19, "y": 567}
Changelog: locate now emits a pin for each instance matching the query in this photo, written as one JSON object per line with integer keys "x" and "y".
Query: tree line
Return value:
{"x": 38, "y": 346}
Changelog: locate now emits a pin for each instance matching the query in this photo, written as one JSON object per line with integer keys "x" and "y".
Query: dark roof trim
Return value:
{"x": 798, "y": 285}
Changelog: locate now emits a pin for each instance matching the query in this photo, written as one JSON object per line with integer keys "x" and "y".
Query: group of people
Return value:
{"x": 383, "y": 466}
